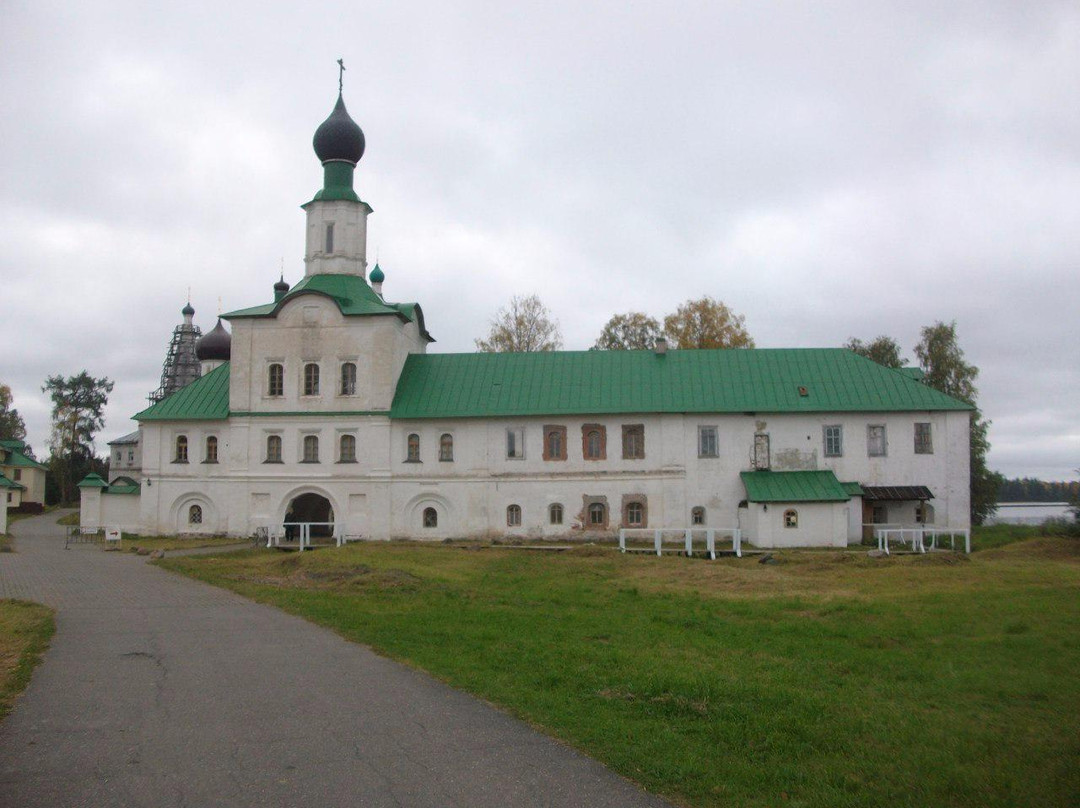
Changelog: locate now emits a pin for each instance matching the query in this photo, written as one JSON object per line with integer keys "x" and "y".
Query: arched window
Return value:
{"x": 555, "y": 513}
{"x": 697, "y": 516}
{"x": 446, "y": 447}
{"x": 635, "y": 514}
{"x": 273, "y": 449}
{"x": 211, "y": 449}
{"x": 181, "y": 449}
{"x": 791, "y": 518}
{"x": 593, "y": 445}
{"x": 348, "y": 449}
{"x": 194, "y": 515}
{"x": 513, "y": 516}
{"x": 275, "y": 380}
{"x": 348, "y": 379}
{"x": 555, "y": 438}
{"x": 412, "y": 450}
{"x": 597, "y": 514}
{"x": 311, "y": 379}
{"x": 431, "y": 517}
{"x": 311, "y": 449}
{"x": 329, "y": 237}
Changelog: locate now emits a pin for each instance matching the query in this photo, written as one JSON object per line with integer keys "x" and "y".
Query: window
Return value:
{"x": 554, "y": 442}
{"x": 273, "y": 449}
{"x": 879, "y": 515}
{"x": 513, "y": 516}
{"x": 515, "y": 444}
{"x": 311, "y": 449}
{"x": 347, "y": 449}
{"x": 329, "y": 237}
{"x": 791, "y": 518}
{"x": 635, "y": 514}
{"x": 761, "y": 451}
{"x": 834, "y": 441}
{"x": 431, "y": 517}
{"x": 131, "y": 455}
{"x": 633, "y": 441}
{"x": 708, "y": 446}
{"x": 446, "y": 447}
{"x": 924, "y": 444}
{"x": 311, "y": 379}
{"x": 211, "y": 449}
{"x": 593, "y": 442}
{"x": 194, "y": 515}
{"x": 275, "y": 380}
{"x": 16, "y": 474}
{"x": 181, "y": 449}
{"x": 697, "y": 516}
{"x": 875, "y": 440}
{"x": 348, "y": 379}
{"x": 555, "y": 514}
{"x": 920, "y": 513}
{"x": 412, "y": 449}
{"x": 597, "y": 514}
{"x": 117, "y": 457}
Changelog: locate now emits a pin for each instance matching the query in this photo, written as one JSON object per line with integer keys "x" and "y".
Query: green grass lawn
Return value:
{"x": 25, "y": 629}
{"x": 827, "y": 679}
{"x": 69, "y": 520}
{"x": 133, "y": 542}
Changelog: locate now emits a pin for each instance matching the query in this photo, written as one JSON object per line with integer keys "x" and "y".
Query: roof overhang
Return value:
{"x": 896, "y": 493}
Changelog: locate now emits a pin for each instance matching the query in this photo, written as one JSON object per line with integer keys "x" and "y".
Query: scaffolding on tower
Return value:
{"x": 181, "y": 366}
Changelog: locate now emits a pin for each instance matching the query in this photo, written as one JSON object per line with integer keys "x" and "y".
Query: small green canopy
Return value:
{"x": 92, "y": 480}
{"x": 793, "y": 486}
{"x": 6, "y": 483}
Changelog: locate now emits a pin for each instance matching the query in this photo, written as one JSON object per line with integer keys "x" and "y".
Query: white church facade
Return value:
{"x": 324, "y": 407}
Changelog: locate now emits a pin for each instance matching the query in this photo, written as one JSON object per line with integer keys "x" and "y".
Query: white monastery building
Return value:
{"x": 325, "y": 407}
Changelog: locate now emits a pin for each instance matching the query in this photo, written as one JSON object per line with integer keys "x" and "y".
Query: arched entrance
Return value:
{"x": 312, "y": 508}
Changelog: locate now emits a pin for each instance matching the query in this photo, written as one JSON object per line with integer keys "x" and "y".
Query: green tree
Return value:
{"x": 1075, "y": 502}
{"x": 12, "y": 426}
{"x": 883, "y": 350}
{"x": 524, "y": 326}
{"x": 946, "y": 369}
{"x": 77, "y": 414}
{"x": 707, "y": 323}
{"x": 633, "y": 331}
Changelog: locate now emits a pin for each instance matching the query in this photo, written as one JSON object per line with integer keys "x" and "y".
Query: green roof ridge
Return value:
{"x": 92, "y": 480}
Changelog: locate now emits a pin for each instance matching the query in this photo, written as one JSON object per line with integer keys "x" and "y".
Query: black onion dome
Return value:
{"x": 187, "y": 311}
{"x": 281, "y": 285}
{"x": 339, "y": 137}
{"x": 215, "y": 345}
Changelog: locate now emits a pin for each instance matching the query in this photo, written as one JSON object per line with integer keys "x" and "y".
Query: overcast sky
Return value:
{"x": 827, "y": 169}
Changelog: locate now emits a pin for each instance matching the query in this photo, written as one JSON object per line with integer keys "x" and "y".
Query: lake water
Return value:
{"x": 1028, "y": 513}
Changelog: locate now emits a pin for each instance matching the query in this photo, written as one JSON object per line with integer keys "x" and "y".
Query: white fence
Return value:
{"x": 916, "y": 537}
{"x": 300, "y": 533}
{"x": 687, "y": 534}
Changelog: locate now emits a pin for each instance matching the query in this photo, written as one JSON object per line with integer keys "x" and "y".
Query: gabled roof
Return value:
{"x": 793, "y": 486}
{"x": 92, "y": 480}
{"x": 205, "y": 399}
{"x": 16, "y": 458}
{"x": 6, "y": 483}
{"x": 599, "y": 382}
{"x": 354, "y": 298}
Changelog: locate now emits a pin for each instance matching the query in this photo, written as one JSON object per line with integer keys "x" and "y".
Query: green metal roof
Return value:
{"x": 351, "y": 293}
{"x": 598, "y": 382}
{"x": 611, "y": 382}
{"x": 17, "y": 459}
{"x": 92, "y": 480}
{"x": 793, "y": 486}
{"x": 205, "y": 399}
{"x": 123, "y": 489}
{"x": 853, "y": 489}
{"x": 6, "y": 483}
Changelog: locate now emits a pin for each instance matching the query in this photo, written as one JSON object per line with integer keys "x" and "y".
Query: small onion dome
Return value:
{"x": 281, "y": 285}
{"x": 339, "y": 137}
{"x": 377, "y": 275}
{"x": 188, "y": 311}
{"x": 215, "y": 345}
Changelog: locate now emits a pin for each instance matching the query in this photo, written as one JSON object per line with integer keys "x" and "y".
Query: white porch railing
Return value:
{"x": 301, "y": 535}
{"x": 687, "y": 534}
{"x": 916, "y": 537}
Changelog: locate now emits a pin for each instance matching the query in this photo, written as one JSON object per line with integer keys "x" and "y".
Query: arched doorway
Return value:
{"x": 310, "y": 508}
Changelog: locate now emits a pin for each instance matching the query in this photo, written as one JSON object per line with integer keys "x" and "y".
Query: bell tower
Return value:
{"x": 336, "y": 216}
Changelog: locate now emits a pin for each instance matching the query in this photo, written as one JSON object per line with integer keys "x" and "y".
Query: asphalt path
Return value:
{"x": 161, "y": 691}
